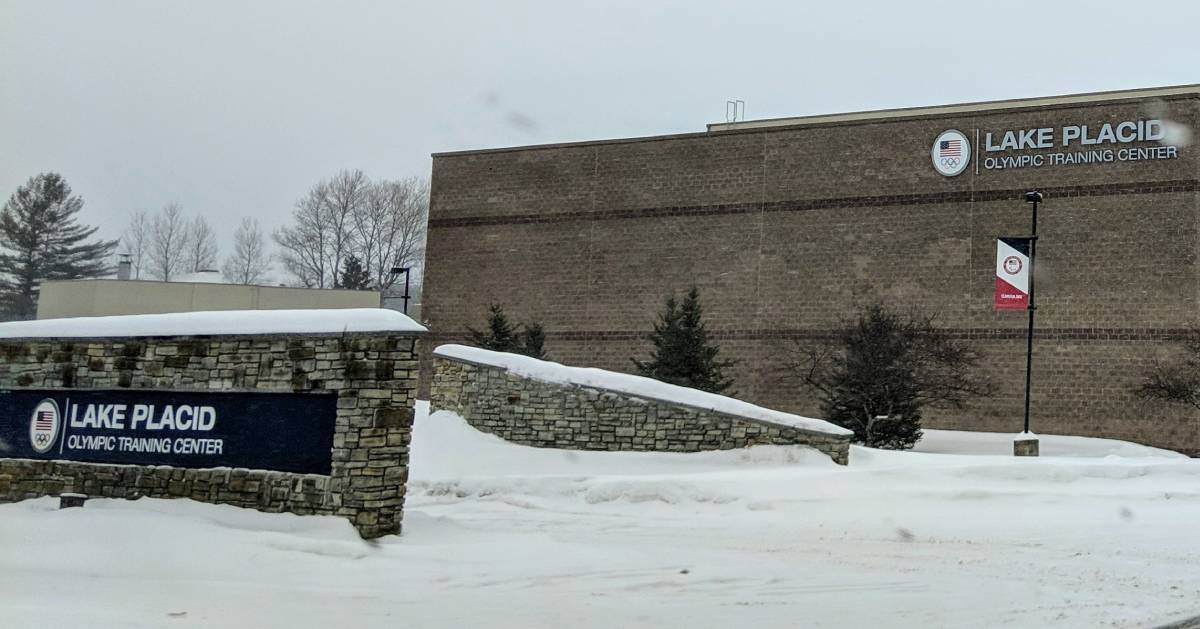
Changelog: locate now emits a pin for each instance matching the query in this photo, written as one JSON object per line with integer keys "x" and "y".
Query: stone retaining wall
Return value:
{"x": 373, "y": 375}
{"x": 550, "y": 415}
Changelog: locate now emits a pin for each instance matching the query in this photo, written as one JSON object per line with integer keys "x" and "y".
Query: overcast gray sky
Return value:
{"x": 236, "y": 108}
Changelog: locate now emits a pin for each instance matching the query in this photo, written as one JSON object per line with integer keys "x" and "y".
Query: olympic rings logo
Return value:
{"x": 950, "y": 153}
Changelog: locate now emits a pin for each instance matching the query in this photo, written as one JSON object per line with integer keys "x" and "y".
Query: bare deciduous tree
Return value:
{"x": 136, "y": 241}
{"x": 381, "y": 224}
{"x": 1177, "y": 381}
{"x": 168, "y": 249}
{"x": 201, "y": 246}
{"x": 345, "y": 195}
{"x": 248, "y": 264}
{"x": 304, "y": 244}
{"x": 389, "y": 229}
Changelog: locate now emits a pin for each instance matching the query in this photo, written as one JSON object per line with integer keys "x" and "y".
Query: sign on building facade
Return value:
{"x": 1066, "y": 145}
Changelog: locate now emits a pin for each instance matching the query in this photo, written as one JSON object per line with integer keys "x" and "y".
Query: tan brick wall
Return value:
{"x": 788, "y": 231}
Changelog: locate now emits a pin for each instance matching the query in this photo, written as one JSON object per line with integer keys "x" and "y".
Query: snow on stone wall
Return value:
{"x": 225, "y": 322}
{"x": 540, "y": 404}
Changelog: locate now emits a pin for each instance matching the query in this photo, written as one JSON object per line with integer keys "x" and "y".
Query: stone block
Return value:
{"x": 392, "y": 417}
{"x": 1025, "y": 447}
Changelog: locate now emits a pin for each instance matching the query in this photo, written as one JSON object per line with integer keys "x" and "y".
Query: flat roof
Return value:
{"x": 873, "y": 115}
{"x": 217, "y": 323}
{"x": 961, "y": 108}
{"x": 229, "y": 285}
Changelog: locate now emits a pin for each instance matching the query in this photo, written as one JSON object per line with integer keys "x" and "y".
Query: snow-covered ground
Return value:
{"x": 1097, "y": 533}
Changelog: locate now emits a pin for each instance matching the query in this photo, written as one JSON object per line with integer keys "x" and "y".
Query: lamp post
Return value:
{"x": 1026, "y": 444}
{"x": 407, "y": 271}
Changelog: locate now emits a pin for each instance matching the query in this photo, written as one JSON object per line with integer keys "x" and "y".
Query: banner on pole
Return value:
{"x": 1012, "y": 273}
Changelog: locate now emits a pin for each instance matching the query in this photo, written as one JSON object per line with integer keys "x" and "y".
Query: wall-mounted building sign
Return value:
{"x": 1068, "y": 145}
{"x": 270, "y": 431}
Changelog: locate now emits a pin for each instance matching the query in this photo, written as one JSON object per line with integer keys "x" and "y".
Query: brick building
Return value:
{"x": 789, "y": 225}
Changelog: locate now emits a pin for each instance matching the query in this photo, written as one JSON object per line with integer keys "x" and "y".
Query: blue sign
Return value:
{"x": 286, "y": 432}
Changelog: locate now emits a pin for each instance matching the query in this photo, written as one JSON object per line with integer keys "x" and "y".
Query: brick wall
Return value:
{"x": 550, "y": 415}
{"x": 787, "y": 231}
{"x": 373, "y": 376}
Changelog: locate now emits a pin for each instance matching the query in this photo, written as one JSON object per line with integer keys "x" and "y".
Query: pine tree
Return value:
{"x": 501, "y": 335}
{"x": 682, "y": 353}
{"x": 533, "y": 341}
{"x": 873, "y": 387}
{"x": 882, "y": 370}
{"x": 41, "y": 240}
{"x": 354, "y": 276}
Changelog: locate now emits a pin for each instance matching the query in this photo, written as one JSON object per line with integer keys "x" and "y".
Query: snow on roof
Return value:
{"x": 632, "y": 385}
{"x": 219, "y": 322}
{"x": 207, "y": 276}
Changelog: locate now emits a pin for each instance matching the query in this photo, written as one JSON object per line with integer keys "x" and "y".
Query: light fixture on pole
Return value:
{"x": 1032, "y": 198}
{"x": 1027, "y": 444}
{"x": 1015, "y": 257}
{"x": 407, "y": 271}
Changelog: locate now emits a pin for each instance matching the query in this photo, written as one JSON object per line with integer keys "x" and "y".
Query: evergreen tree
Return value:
{"x": 873, "y": 387}
{"x": 41, "y": 240}
{"x": 501, "y": 335}
{"x": 682, "y": 353}
{"x": 883, "y": 370}
{"x": 533, "y": 341}
{"x": 354, "y": 276}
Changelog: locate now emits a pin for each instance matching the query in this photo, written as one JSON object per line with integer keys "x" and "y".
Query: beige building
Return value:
{"x": 789, "y": 227}
{"x": 94, "y": 298}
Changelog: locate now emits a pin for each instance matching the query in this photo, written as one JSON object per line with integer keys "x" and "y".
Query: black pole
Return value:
{"x": 1033, "y": 198}
{"x": 407, "y": 273}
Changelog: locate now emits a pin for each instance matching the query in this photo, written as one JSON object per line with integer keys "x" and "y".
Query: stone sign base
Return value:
{"x": 372, "y": 374}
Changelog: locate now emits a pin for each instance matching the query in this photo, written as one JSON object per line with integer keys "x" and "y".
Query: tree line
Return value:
{"x": 347, "y": 231}
{"x": 350, "y": 231}
{"x": 875, "y": 373}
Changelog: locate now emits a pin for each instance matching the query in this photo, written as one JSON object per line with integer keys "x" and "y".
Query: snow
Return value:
{"x": 633, "y": 385}
{"x": 231, "y": 322}
{"x": 210, "y": 276}
{"x": 996, "y": 443}
{"x": 500, "y": 535}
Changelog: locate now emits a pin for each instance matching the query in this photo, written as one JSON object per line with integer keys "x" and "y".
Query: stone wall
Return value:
{"x": 550, "y": 415}
{"x": 373, "y": 375}
{"x": 788, "y": 231}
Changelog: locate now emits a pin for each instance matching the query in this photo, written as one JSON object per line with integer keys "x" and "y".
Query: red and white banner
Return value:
{"x": 1012, "y": 274}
